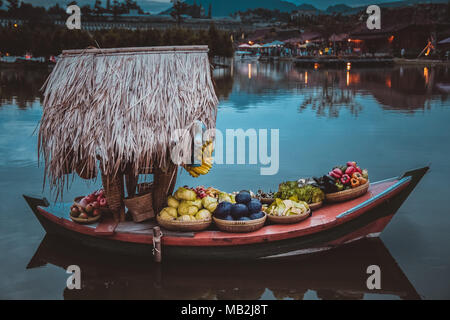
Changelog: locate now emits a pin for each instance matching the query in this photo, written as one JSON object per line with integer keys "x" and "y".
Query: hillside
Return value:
{"x": 221, "y": 8}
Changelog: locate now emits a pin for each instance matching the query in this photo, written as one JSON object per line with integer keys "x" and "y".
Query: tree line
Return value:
{"x": 47, "y": 39}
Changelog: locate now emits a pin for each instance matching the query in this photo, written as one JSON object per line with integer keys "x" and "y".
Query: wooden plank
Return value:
{"x": 106, "y": 227}
{"x": 131, "y": 227}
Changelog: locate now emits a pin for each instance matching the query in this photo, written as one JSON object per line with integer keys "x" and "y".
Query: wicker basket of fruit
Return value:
{"x": 240, "y": 226}
{"x": 265, "y": 197}
{"x": 315, "y": 206}
{"x": 179, "y": 225}
{"x": 89, "y": 209}
{"x": 187, "y": 210}
{"x": 348, "y": 194}
{"x": 88, "y": 220}
{"x": 288, "y": 211}
{"x": 245, "y": 215}
{"x": 346, "y": 182}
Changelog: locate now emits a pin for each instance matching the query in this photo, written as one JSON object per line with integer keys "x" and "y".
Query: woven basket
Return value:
{"x": 113, "y": 187}
{"x": 86, "y": 221}
{"x": 315, "y": 206}
{"x": 348, "y": 194}
{"x": 312, "y": 206}
{"x": 289, "y": 219}
{"x": 177, "y": 225}
{"x": 240, "y": 226}
{"x": 140, "y": 207}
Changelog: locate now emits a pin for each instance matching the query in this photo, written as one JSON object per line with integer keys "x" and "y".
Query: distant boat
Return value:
{"x": 445, "y": 87}
{"x": 246, "y": 55}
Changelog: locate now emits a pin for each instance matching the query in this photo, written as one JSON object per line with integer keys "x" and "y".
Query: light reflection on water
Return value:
{"x": 389, "y": 120}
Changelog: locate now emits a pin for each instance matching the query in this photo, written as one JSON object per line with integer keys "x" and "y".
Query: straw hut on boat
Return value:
{"x": 113, "y": 113}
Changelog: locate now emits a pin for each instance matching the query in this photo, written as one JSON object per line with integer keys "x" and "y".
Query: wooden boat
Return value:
{"x": 328, "y": 227}
{"x": 286, "y": 278}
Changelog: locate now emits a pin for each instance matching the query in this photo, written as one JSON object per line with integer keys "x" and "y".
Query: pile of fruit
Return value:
{"x": 290, "y": 207}
{"x": 89, "y": 206}
{"x": 207, "y": 161}
{"x": 306, "y": 190}
{"x": 243, "y": 207}
{"x": 343, "y": 178}
{"x": 265, "y": 195}
{"x": 187, "y": 205}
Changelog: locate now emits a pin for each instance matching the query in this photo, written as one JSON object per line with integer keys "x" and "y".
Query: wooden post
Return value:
{"x": 157, "y": 244}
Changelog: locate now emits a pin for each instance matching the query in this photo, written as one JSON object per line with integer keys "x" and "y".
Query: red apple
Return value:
{"x": 102, "y": 202}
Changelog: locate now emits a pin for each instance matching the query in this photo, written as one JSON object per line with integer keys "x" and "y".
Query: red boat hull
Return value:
{"x": 328, "y": 227}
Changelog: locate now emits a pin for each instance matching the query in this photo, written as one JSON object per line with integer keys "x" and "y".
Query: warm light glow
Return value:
{"x": 15, "y": 25}
{"x": 389, "y": 82}
{"x": 428, "y": 51}
{"x": 28, "y": 57}
{"x": 348, "y": 78}
{"x": 7, "y": 54}
{"x": 349, "y": 40}
{"x": 426, "y": 75}
{"x": 391, "y": 38}
{"x": 306, "y": 77}
{"x": 320, "y": 52}
{"x": 251, "y": 43}
{"x": 316, "y": 65}
{"x": 249, "y": 70}
{"x": 307, "y": 41}
{"x": 349, "y": 65}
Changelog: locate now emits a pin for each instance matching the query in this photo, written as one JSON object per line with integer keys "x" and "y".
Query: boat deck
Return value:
{"x": 321, "y": 219}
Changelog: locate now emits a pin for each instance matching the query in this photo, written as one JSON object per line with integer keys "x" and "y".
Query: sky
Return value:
{"x": 156, "y": 6}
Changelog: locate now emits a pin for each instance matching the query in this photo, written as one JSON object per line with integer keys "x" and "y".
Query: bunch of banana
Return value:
{"x": 207, "y": 161}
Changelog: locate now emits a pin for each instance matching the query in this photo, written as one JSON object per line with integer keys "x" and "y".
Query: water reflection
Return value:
{"x": 330, "y": 93}
{"x": 403, "y": 89}
{"x": 21, "y": 85}
{"x": 291, "y": 278}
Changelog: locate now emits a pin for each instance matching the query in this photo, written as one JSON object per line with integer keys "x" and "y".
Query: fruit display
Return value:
{"x": 287, "y": 211}
{"x": 305, "y": 190}
{"x": 344, "y": 177}
{"x": 265, "y": 195}
{"x": 207, "y": 161}
{"x": 245, "y": 208}
{"x": 89, "y": 207}
{"x": 287, "y": 208}
{"x": 186, "y": 205}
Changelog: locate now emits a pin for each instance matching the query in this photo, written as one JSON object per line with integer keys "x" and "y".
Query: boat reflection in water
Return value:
{"x": 335, "y": 274}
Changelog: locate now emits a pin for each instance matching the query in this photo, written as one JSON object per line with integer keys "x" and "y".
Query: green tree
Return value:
{"x": 98, "y": 7}
{"x": 179, "y": 8}
{"x": 13, "y": 5}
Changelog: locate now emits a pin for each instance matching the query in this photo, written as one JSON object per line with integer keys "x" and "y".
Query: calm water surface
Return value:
{"x": 389, "y": 120}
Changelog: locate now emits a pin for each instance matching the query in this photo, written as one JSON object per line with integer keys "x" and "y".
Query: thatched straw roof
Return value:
{"x": 122, "y": 105}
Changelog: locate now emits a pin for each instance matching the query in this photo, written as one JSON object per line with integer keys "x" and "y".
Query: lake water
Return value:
{"x": 389, "y": 120}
